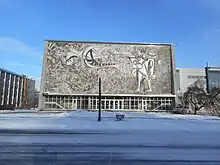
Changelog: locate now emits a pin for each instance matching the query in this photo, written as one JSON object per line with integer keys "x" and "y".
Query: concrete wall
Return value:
{"x": 187, "y": 76}
{"x": 125, "y": 68}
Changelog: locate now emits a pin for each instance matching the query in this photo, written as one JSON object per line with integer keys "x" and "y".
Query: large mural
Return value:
{"x": 74, "y": 68}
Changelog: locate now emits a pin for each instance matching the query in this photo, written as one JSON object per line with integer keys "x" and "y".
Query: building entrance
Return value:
{"x": 109, "y": 104}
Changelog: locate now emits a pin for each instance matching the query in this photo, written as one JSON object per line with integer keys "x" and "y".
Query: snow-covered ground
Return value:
{"x": 139, "y": 137}
{"x": 83, "y": 120}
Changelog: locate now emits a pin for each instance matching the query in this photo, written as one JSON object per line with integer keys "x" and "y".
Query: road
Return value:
{"x": 170, "y": 147}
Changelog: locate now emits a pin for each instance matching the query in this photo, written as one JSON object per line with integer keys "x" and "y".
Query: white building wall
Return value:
{"x": 3, "y": 92}
{"x": 187, "y": 76}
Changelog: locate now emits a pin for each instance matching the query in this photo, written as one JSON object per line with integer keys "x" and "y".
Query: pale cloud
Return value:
{"x": 21, "y": 68}
{"x": 28, "y": 60}
{"x": 11, "y": 45}
{"x": 23, "y": 65}
{"x": 16, "y": 64}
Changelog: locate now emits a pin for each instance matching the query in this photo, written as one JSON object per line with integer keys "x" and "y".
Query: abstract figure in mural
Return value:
{"x": 89, "y": 59}
{"x": 143, "y": 69}
{"x": 72, "y": 58}
{"x": 94, "y": 58}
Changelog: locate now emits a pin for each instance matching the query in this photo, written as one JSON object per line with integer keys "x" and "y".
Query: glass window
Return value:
{"x": 116, "y": 104}
{"x": 103, "y": 104}
{"x": 94, "y": 104}
{"x": 107, "y": 104}
{"x": 50, "y": 98}
{"x": 46, "y": 99}
{"x": 53, "y": 98}
{"x": 214, "y": 79}
{"x": 120, "y": 104}
{"x": 111, "y": 104}
{"x": 66, "y": 99}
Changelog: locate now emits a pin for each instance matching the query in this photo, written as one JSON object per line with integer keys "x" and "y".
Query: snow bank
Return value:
{"x": 85, "y": 114}
{"x": 188, "y": 117}
{"x": 88, "y": 121}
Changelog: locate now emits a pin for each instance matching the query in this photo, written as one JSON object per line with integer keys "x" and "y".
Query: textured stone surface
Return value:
{"x": 124, "y": 68}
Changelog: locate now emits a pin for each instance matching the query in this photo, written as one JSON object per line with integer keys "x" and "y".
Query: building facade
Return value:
{"x": 28, "y": 95}
{"x": 187, "y": 76}
{"x": 135, "y": 76}
{"x": 15, "y": 90}
{"x": 213, "y": 77}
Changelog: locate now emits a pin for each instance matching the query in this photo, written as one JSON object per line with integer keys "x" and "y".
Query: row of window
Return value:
{"x": 196, "y": 77}
{"x": 11, "y": 84}
{"x": 214, "y": 79}
{"x": 123, "y": 103}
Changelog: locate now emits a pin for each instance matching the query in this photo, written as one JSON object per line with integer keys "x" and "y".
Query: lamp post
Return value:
{"x": 207, "y": 77}
{"x": 100, "y": 95}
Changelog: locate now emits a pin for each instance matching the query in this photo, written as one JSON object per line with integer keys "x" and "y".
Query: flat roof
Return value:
{"x": 112, "y": 95}
{"x": 214, "y": 68}
{"x": 13, "y": 73}
{"x": 5, "y": 70}
{"x": 190, "y": 68}
{"x": 112, "y": 42}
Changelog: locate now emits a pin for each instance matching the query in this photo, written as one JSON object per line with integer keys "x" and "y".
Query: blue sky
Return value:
{"x": 193, "y": 26}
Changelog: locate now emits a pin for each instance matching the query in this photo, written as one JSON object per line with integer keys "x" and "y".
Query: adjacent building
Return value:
{"x": 28, "y": 93}
{"x": 16, "y": 91}
{"x": 213, "y": 77}
{"x": 36, "y": 98}
{"x": 187, "y": 76}
{"x": 135, "y": 76}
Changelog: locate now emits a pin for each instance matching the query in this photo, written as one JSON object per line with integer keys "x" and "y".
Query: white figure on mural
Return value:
{"x": 143, "y": 69}
{"x": 99, "y": 57}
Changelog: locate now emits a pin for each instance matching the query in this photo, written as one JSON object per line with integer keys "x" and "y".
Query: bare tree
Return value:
{"x": 181, "y": 99}
{"x": 198, "y": 98}
{"x": 213, "y": 105}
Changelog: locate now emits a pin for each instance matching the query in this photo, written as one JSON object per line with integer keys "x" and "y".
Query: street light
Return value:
{"x": 100, "y": 95}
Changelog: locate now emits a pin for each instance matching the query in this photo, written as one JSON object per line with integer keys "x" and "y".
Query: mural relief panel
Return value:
{"x": 73, "y": 67}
